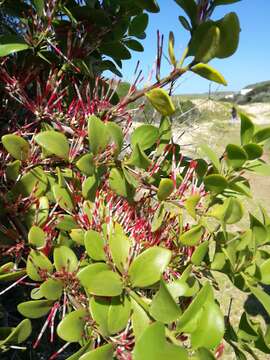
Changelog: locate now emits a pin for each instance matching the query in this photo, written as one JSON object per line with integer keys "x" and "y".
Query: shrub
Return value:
{"x": 114, "y": 241}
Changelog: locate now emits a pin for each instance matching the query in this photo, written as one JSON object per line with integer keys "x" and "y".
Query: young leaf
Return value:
{"x": 171, "y": 49}
{"x": 119, "y": 245}
{"x": 209, "y": 73}
{"x": 16, "y": 146}
{"x": 37, "y": 262}
{"x": 165, "y": 188}
{"x": 147, "y": 268}
{"x": 65, "y": 259}
{"x": 161, "y": 101}
{"x": 54, "y": 142}
{"x": 71, "y": 327}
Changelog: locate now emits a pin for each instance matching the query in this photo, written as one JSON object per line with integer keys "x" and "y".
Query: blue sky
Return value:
{"x": 250, "y": 64}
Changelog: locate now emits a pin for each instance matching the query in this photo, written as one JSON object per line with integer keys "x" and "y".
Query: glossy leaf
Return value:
{"x": 71, "y": 328}
{"x": 165, "y": 188}
{"x": 104, "y": 352}
{"x": 209, "y": 73}
{"x": 118, "y": 315}
{"x": 192, "y": 236}
{"x": 147, "y": 268}
{"x": 99, "y": 280}
{"x": 138, "y": 24}
{"x": 236, "y": 156}
{"x": 163, "y": 307}
{"x": 97, "y": 134}
{"x": 16, "y": 146}
{"x": 94, "y": 245}
{"x": 35, "y": 309}
{"x": 119, "y": 245}
{"x": 152, "y": 345}
{"x": 86, "y": 164}
{"x": 10, "y": 44}
{"x": 65, "y": 259}
{"x": 161, "y": 101}
{"x": 36, "y": 236}
{"x": 99, "y": 309}
{"x": 185, "y": 286}
{"x": 37, "y": 262}
{"x": 145, "y": 135}
{"x": 54, "y": 142}
{"x": 51, "y": 289}
{"x": 215, "y": 183}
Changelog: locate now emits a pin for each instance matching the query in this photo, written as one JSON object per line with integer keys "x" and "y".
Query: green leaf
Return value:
{"x": 165, "y": 188}
{"x": 262, "y": 296}
{"x": 99, "y": 309}
{"x": 209, "y": 73}
{"x": 259, "y": 230}
{"x": 89, "y": 188}
{"x": 11, "y": 276}
{"x": 16, "y": 146}
{"x": 203, "y": 354}
{"x": 205, "y": 42}
{"x": 54, "y": 142}
{"x": 139, "y": 319}
{"x": 211, "y": 322}
{"x": 118, "y": 314}
{"x": 163, "y": 307}
{"x": 35, "y": 309}
{"x": 138, "y": 25}
{"x": 199, "y": 254}
{"x": 71, "y": 328}
{"x": 191, "y": 203}
{"x": 116, "y": 50}
{"x": 86, "y": 164}
{"x": 118, "y": 183}
{"x": 65, "y": 259}
{"x": 247, "y": 129}
{"x": 190, "y": 8}
{"x": 94, "y": 245}
{"x": 265, "y": 272}
{"x": 66, "y": 223}
{"x": 184, "y": 22}
{"x": 97, "y": 134}
{"x": 215, "y": 183}
{"x": 11, "y": 44}
{"x": 38, "y": 262}
{"x": 138, "y": 158}
{"x": 158, "y": 218}
{"x": 77, "y": 235}
{"x": 104, "y": 352}
{"x": 116, "y": 134}
{"x": 42, "y": 210}
{"x": 152, "y": 345}
{"x": 229, "y": 28}
{"x": 63, "y": 197}
{"x": 99, "y": 280}
{"x": 192, "y": 236}
{"x": 224, "y": 2}
{"x": 147, "y": 268}
{"x": 186, "y": 286}
{"x": 171, "y": 49}
{"x": 77, "y": 355}
{"x": 13, "y": 170}
{"x": 261, "y": 135}
{"x": 33, "y": 182}
{"x": 247, "y": 331}
{"x": 204, "y": 295}
{"x": 236, "y": 156}
{"x": 18, "y": 334}
{"x": 119, "y": 245}
{"x": 145, "y": 136}
{"x": 134, "y": 45}
{"x": 230, "y": 212}
{"x": 36, "y": 236}
{"x": 253, "y": 151}
{"x": 39, "y": 5}
{"x": 51, "y": 289}
{"x": 211, "y": 156}
{"x": 161, "y": 101}
{"x": 149, "y": 5}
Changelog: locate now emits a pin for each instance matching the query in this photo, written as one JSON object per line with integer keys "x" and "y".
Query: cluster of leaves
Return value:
{"x": 117, "y": 233}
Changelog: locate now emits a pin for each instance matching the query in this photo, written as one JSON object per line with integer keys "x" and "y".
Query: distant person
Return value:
{"x": 234, "y": 114}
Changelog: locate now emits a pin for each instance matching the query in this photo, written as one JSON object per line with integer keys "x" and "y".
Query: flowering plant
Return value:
{"x": 113, "y": 234}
